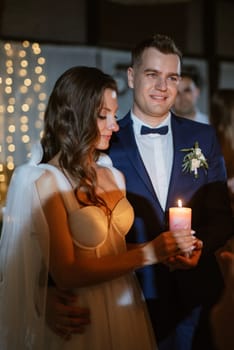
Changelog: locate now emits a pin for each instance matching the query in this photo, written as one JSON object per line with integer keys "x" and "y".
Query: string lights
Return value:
{"x": 22, "y": 104}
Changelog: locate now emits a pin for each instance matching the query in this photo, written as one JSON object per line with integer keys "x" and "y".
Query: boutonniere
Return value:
{"x": 194, "y": 160}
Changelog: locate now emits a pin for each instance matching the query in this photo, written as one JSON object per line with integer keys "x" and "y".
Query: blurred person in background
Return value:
{"x": 222, "y": 118}
{"x": 222, "y": 314}
{"x": 189, "y": 89}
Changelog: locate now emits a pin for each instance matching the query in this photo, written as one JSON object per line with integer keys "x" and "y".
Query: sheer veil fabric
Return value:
{"x": 24, "y": 256}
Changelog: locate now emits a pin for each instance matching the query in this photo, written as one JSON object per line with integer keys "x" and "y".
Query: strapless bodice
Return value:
{"x": 90, "y": 225}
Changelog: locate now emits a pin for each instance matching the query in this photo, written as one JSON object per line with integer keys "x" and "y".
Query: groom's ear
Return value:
{"x": 130, "y": 73}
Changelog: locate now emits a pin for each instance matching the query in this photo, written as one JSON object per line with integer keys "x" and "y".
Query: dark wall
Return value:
{"x": 124, "y": 26}
{"x": 198, "y": 26}
{"x": 45, "y": 20}
{"x": 201, "y": 28}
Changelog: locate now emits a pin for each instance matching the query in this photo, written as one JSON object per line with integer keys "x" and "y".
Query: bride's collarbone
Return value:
{"x": 106, "y": 185}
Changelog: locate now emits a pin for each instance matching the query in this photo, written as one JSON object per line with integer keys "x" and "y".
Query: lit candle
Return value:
{"x": 180, "y": 218}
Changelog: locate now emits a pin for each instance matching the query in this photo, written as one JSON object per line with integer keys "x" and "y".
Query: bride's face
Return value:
{"x": 106, "y": 122}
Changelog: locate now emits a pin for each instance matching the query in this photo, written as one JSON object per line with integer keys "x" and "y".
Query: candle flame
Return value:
{"x": 179, "y": 203}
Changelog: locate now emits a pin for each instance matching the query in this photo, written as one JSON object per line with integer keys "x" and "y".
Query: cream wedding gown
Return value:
{"x": 119, "y": 319}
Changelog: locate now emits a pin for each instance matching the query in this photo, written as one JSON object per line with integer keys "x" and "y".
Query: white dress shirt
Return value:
{"x": 157, "y": 154}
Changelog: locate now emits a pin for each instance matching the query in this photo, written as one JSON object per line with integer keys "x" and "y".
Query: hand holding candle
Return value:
{"x": 180, "y": 219}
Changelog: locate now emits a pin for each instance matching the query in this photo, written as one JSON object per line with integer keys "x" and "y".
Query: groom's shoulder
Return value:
{"x": 191, "y": 125}
{"x": 124, "y": 120}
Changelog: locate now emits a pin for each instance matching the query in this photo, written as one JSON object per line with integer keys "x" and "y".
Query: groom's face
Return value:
{"x": 154, "y": 82}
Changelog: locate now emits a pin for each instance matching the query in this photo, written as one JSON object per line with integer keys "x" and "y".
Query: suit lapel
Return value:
{"x": 129, "y": 145}
{"x": 177, "y": 161}
{"x": 182, "y": 138}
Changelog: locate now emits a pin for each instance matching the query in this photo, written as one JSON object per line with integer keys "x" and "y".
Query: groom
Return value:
{"x": 181, "y": 292}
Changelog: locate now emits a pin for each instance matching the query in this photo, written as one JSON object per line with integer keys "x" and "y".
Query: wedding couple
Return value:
{"x": 179, "y": 290}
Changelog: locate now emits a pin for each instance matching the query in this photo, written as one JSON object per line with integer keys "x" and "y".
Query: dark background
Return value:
{"x": 201, "y": 28}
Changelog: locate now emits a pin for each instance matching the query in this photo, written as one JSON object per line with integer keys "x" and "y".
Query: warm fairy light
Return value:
{"x": 26, "y": 43}
{"x": 9, "y": 139}
{"x": 23, "y": 72}
{"x": 11, "y": 148}
{"x": 22, "y": 104}
{"x": 24, "y": 119}
{"x": 11, "y": 100}
{"x": 41, "y": 78}
{"x": 38, "y": 70}
{"x": 42, "y": 96}
{"x": 41, "y": 106}
{"x": 9, "y": 52}
{"x": 24, "y": 63}
{"x": 24, "y": 128}
{"x": 7, "y": 46}
{"x": 8, "y": 81}
{"x": 37, "y": 87}
{"x": 10, "y": 70}
{"x": 10, "y": 165}
{"x": 38, "y": 124}
{"x": 9, "y": 159}
{"x": 36, "y": 48}
{"x": 41, "y": 60}
{"x": 27, "y": 82}
{"x": 41, "y": 115}
{"x": 8, "y": 90}
{"x": 25, "y": 138}
{"x": 22, "y": 53}
{"x": 10, "y": 109}
{"x": 11, "y": 128}
{"x": 9, "y": 63}
{"x": 25, "y": 107}
{"x": 23, "y": 89}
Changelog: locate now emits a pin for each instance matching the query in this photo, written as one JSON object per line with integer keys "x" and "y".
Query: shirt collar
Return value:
{"x": 137, "y": 123}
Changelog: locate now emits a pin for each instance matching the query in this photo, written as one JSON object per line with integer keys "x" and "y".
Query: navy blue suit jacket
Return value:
{"x": 207, "y": 195}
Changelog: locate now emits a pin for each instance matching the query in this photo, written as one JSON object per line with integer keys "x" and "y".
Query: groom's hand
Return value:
{"x": 63, "y": 316}
{"x": 185, "y": 262}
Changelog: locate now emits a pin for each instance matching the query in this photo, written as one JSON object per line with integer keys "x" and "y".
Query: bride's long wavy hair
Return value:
{"x": 70, "y": 125}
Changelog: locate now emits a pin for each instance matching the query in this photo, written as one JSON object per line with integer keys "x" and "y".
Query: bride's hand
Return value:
{"x": 168, "y": 244}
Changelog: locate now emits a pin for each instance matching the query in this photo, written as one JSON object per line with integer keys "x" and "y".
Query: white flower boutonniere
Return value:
{"x": 194, "y": 160}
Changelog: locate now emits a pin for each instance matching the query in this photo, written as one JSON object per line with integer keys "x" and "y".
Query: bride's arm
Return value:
{"x": 70, "y": 271}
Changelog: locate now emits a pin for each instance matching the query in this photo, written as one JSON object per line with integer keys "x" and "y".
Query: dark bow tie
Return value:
{"x": 163, "y": 130}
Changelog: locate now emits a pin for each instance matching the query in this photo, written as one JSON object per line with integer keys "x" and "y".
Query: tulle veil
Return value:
{"x": 24, "y": 256}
